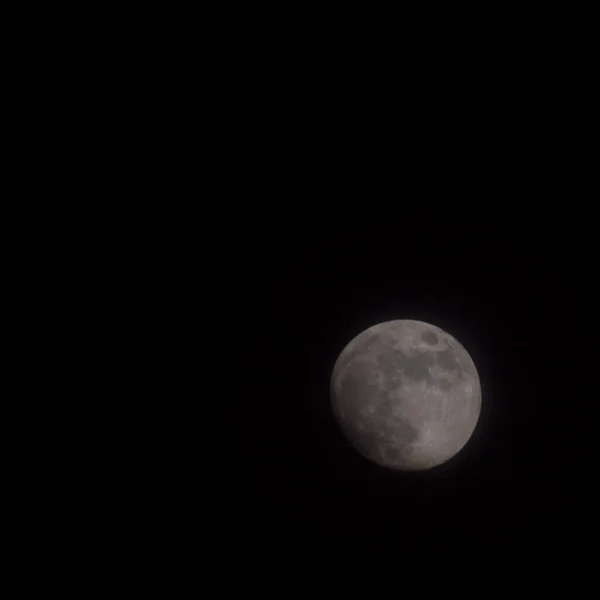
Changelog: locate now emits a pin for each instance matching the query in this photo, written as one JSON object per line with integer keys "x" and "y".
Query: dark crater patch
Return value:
{"x": 356, "y": 389}
{"x": 383, "y": 408}
{"x": 444, "y": 384}
{"x": 405, "y": 433}
{"x": 447, "y": 360}
{"x": 391, "y": 362}
{"x": 393, "y": 436}
{"x": 430, "y": 338}
{"x": 417, "y": 367}
{"x": 414, "y": 367}
{"x": 369, "y": 422}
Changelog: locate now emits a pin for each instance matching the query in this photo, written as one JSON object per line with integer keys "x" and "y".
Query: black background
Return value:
{"x": 349, "y": 205}
{"x": 510, "y": 276}
{"x": 350, "y": 192}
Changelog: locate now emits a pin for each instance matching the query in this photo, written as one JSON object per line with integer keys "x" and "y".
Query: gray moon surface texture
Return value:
{"x": 406, "y": 394}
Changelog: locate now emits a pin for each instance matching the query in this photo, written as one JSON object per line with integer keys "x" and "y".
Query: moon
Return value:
{"x": 406, "y": 394}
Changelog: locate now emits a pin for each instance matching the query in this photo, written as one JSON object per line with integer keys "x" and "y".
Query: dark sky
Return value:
{"x": 515, "y": 291}
{"x": 347, "y": 205}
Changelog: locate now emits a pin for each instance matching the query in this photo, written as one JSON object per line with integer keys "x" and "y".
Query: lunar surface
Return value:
{"x": 406, "y": 395}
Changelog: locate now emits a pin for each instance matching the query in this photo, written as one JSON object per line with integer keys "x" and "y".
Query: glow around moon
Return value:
{"x": 406, "y": 394}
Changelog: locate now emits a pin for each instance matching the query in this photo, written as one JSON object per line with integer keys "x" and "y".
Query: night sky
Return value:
{"x": 515, "y": 291}
{"x": 311, "y": 193}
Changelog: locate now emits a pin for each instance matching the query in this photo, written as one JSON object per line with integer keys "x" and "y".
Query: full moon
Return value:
{"x": 406, "y": 394}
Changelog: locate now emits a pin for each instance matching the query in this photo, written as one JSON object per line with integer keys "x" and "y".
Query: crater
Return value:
{"x": 355, "y": 389}
{"x": 444, "y": 384}
{"x": 430, "y": 338}
{"x": 382, "y": 408}
{"x": 414, "y": 367}
{"x": 417, "y": 367}
{"x": 391, "y": 362}
{"x": 447, "y": 360}
{"x": 406, "y": 433}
